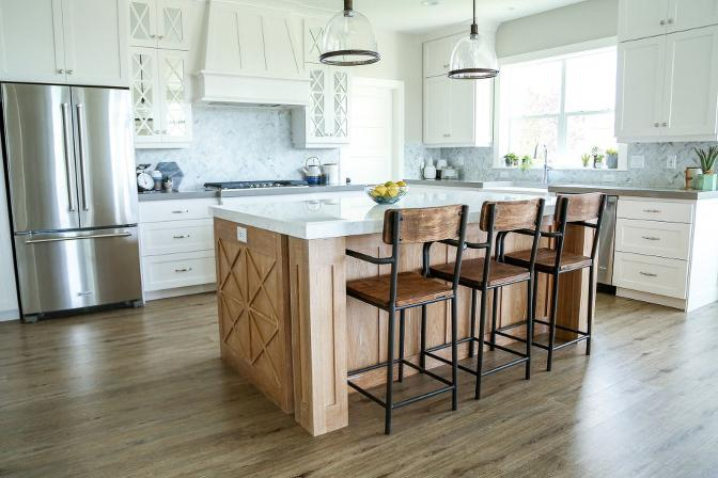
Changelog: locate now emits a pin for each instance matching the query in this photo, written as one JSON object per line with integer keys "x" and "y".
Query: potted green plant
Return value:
{"x": 611, "y": 158}
{"x": 585, "y": 160}
{"x": 526, "y": 163}
{"x": 708, "y": 158}
{"x": 511, "y": 160}
{"x": 598, "y": 161}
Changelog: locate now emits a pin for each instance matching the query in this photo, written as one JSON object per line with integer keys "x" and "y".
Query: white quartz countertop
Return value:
{"x": 326, "y": 215}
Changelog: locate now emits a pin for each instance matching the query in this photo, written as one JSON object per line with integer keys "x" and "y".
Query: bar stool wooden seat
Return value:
{"x": 491, "y": 274}
{"x": 400, "y": 291}
{"x": 584, "y": 210}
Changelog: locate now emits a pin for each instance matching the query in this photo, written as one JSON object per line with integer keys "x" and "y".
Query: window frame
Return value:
{"x": 562, "y": 115}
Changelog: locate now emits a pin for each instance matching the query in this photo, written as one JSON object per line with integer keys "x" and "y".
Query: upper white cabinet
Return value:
{"x": 161, "y": 106}
{"x": 324, "y": 122}
{"x": 646, "y": 18}
{"x": 457, "y": 113}
{"x": 81, "y": 42}
{"x": 668, "y": 88}
{"x": 437, "y": 56}
{"x": 159, "y": 24}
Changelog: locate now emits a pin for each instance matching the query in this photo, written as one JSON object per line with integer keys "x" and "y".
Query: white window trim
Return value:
{"x": 543, "y": 55}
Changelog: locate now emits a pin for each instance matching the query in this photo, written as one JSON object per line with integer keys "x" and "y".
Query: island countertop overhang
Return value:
{"x": 330, "y": 215}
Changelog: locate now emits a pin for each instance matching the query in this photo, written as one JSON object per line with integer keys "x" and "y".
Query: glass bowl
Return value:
{"x": 387, "y": 198}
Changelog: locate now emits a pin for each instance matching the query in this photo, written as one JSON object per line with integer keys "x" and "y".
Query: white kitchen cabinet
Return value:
{"x": 31, "y": 41}
{"x": 95, "y": 42}
{"x": 161, "y": 105}
{"x": 437, "y": 56}
{"x": 668, "y": 88}
{"x": 458, "y": 113}
{"x": 688, "y": 14}
{"x": 159, "y": 24}
{"x": 642, "y": 18}
{"x": 79, "y": 42}
{"x": 690, "y": 99}
{"x": 324, "y": 123}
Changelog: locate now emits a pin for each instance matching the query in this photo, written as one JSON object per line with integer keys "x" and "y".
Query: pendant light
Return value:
{"x": 472, "y": 58}
{"x": 349, "y": 39}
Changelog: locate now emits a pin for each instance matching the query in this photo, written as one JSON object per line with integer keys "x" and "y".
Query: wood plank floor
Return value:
{"x": 138, "y": 393}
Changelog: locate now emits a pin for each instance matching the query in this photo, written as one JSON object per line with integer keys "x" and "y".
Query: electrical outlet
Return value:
{"x": 672, "y": 161}
{"x": 242, "y": 234}
{"x": 638, "y": 162}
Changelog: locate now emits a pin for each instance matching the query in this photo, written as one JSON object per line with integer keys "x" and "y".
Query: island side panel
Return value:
{"x": 253, "y": 302}
{"x": 318, "y": 309}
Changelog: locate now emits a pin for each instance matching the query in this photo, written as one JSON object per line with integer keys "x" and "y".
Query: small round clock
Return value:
{"x": 145, "y": 182}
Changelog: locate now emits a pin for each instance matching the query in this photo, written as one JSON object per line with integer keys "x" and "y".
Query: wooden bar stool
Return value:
{"x": 585, "y": 210}
{"x": 485, "y": 275}
{"x": 400, "y": 291}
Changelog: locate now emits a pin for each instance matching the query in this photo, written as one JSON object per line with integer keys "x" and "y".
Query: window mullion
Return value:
{"x": 562, "y": 122}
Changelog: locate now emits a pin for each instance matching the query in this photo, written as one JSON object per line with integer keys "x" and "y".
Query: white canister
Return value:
{"x": 331, "y": 171}
{"x": 429, "y": 170}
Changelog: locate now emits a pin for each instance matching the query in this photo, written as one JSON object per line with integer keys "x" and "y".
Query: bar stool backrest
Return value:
{"x": 580, "y": 210}
{"x": 431, "y": 224}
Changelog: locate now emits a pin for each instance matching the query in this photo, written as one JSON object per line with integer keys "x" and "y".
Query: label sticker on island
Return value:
{"x": 242, "y": 234}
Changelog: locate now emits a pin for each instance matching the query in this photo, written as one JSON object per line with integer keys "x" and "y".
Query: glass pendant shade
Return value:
{"x": 472, "y": 58}
{"x": 349, "y": 39}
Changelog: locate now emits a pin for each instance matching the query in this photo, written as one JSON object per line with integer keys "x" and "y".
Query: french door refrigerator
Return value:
{"x": 73, "y": 196}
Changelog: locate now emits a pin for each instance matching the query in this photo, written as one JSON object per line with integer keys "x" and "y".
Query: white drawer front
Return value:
{"x": 176, "y": 210}
{"x": 178, "y": 270}
{"x": 662, "y": 239}
{"x": 176, "y": 236}
{"x": 656, "y": 211}
{"x": 655, "y": 275}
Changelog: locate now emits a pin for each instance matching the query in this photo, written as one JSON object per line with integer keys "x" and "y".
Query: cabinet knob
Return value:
{"x": 70, "y": 72}
{"x": 670, "y": 21}
{"x": 447, "y": 135}
{"x": 447, "y": 65}
{"x": 60, "y": 71}
{"x": 161, "y": 37}
{"x": 153, "y": 35}
{"x": 662, "y": 22}
{"x": 656, "y": 125}
{"x": 664, "y": 124}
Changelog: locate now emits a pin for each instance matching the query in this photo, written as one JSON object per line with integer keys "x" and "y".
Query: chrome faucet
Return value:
{"x": 546, "y": 167}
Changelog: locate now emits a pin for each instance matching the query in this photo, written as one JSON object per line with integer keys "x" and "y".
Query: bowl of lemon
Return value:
{"x": 389, "y": 192}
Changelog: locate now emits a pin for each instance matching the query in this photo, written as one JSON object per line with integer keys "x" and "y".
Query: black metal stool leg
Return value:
{"x": 480, "y": 357}
{"x": 402, "y": 333}
{"x": 454, "y": 355}
{"x": 422, "y": 355}
{"x": 590, "y": 309}
{"x": 530, "y": 311}
{"x": 494, "y": 318}
{"x": 472, "y": 327}
{"x": 552, "y": 322}
{"x": 389, "y": 373}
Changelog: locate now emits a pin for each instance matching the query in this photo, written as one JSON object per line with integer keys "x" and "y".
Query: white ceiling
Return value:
{"x": 413, "y": 16}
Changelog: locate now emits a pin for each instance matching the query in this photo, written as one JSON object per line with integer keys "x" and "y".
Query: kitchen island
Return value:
{"x": 285, "y": 321}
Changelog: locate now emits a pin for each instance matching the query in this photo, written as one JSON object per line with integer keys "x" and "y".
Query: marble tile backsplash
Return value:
{"x": 232, "y": 143}
{"x": 476, "y": 164}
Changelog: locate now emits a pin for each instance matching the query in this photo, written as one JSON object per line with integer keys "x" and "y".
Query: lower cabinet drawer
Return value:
{"x": 655, "y": 275}
{"x": 662, "y": 239}
{"x": 652, "y": 210}
{"x": 178, "y": 270}
{"x": 176, "y": 236}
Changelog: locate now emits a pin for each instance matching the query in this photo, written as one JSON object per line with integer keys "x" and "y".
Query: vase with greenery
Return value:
{"x": 708, "y": 158}
{"x": 585, "y": 160}
{"x": 611, "y": 158}
{"x": 511, "y": 160}
{"x": 598, "y": 161}
{"x": 526, "y": 163}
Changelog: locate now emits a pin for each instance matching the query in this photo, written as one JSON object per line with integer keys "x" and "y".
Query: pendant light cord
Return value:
{"x": 474, "y": 26}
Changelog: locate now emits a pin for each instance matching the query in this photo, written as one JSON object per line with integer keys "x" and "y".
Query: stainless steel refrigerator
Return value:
{"x": 73, "y": 196}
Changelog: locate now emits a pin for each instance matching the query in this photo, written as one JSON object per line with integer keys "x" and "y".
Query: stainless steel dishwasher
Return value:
{"x": 607, "y": 241}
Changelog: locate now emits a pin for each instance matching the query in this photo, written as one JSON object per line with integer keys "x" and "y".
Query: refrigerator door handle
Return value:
{"x": 77, "y": 238}
{"x": 81, "y": 152}
{"x": 66, "y": 152}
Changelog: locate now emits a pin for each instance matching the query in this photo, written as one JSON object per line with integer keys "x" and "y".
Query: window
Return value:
{"x": 565, "y": 102}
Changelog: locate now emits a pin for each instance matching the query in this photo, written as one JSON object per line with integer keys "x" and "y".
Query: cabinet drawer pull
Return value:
{"x": 70, "y": 72}
{"x": 664, "y": 124}
{"x": 182, "y": 211}
{"x": 186, "y": 269}
{"x": 447, "y": 135}
{"x": 60, "y": 71}
{"x": 652, "y": 211}
{"x": 185, "y": 236}
{"x": 648, "y": 274}
{"x": 651, "y": 238}
{"x": 670, "y": 21}
{"x": 662, "y": 22}
{"x": 656, "y": 125}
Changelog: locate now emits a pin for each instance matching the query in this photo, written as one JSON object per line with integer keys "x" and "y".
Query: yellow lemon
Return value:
{"x": 380, "y": 190}
{"x": 389, "y": 184}
{"x": 401, "y": 184}
{"x": 393, "y": 192}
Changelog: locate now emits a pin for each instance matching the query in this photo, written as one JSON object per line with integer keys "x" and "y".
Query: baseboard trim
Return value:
{"x": 651, "y": 298}
{"x": 149, "y": 296}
